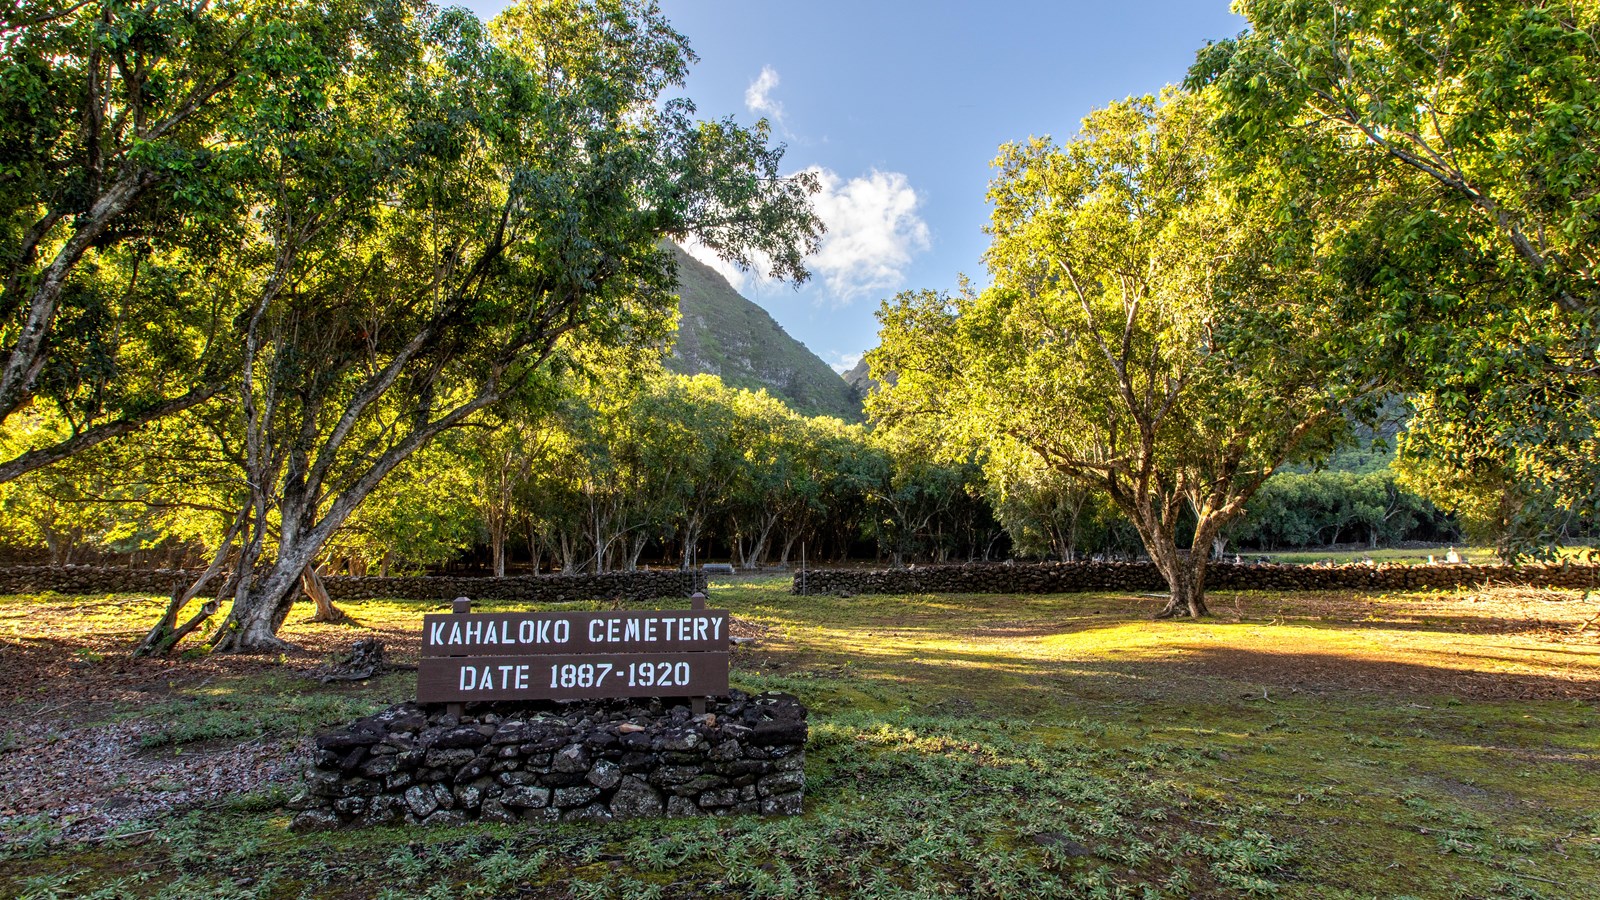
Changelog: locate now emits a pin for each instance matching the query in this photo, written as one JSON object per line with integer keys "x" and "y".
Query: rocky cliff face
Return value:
{"x": 858, "y": 379}
{"x": 723, "y": 334}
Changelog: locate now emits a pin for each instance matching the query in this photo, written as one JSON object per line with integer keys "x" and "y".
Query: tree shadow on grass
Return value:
{"x": 1182, "y": 670}
{"x": 1319, "y": 672}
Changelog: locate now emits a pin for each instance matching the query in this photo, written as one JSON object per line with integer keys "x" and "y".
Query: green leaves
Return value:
{"x": 1142, "y": 336}
{"x": 1444, "y": 157}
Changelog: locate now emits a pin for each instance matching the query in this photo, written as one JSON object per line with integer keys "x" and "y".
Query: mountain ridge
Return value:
{"x": 723, "y": 333}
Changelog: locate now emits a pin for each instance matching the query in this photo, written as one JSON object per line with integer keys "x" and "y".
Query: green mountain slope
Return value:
{"x": 723, "y": 334}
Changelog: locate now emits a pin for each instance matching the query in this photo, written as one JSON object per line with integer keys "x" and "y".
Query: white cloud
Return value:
{"x": 758, "y": 96}
{"x": 724, "y": 268}
{"x": 844, "y": 362}
{"x": 873, "y": 234}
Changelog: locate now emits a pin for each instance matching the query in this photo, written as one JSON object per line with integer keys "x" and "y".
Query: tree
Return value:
{"x": 421, "y": 515}
{"x": 115, "y": 121}
{"x": 916, "y": 493}
{"x": 1041, "y": 508}
{"x": 769, "y": 439}
{"x": 1462, "y": 467}
{"x": 460, "y": 211}
{"x": 1134, "y": 337}
{"x": 1443, "y": 158}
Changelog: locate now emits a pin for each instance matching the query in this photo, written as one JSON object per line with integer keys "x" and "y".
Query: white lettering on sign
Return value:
{"x": 494, "y": 678}
{"x": 652, "y": 629}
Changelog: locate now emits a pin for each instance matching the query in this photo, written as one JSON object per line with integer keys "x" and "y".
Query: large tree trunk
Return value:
{"x": 636, "y": 550}
{"x": 167, "y": 633}
{"x": 25, "y": 358}
{"x": 497, "y": 540}
{"x": 252, "y": 625}
{"x": 1185, "y": 572}
{"x": 691, "y": 540}
{"x": 788, "y": 547}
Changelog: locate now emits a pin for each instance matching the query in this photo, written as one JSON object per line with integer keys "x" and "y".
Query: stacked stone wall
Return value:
{"x": 625, "y": 586}
{"x": 1054, "y": 578}
{"x": 633, "y": 586}
{"x": 90, "y": 580}
{"x": 592, "y": 761}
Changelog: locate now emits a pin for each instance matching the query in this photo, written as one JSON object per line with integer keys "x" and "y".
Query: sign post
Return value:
{"x": 459, "y": 606}
{"x": 470, "y": 656}
{"x": 697, "y": 704}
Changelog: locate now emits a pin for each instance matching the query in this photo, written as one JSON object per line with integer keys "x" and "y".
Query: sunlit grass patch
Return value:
{"x": 1413, "y": 556}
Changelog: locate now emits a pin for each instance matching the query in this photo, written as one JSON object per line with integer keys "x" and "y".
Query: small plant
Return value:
{"x": 26, "y": 836}
{"x": 47, "y": 887}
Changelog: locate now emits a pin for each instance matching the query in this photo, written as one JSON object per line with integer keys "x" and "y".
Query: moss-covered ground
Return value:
{"x": 1295, "y": 745}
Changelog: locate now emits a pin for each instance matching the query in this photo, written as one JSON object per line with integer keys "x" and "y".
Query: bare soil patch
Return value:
{"x": 75, "y": 751}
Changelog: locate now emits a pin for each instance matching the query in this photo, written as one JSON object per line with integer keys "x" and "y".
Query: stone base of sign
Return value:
{"x": 581, "y": 761}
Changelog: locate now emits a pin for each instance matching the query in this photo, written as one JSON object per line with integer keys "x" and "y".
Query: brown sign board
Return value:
{"x": 456, "y": 679}
{"x": 573, "y": 655}
{"x": 620, "y": 631}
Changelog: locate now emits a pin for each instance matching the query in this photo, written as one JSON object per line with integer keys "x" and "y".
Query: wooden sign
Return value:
{"x": 572, "y": 677}
{"x": 622, "y": 631}
{"x": 573, "y": 655}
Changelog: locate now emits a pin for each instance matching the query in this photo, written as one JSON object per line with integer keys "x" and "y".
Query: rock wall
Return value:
{"x": 627, "y": 586}
{"x": 1054, "y": 578}
{"x": 591, "y": 761}
{"x": 90, "y": 580}
{"x": 522, "y": 588}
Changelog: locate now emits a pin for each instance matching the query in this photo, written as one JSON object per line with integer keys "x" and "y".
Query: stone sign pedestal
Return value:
{"x": 593, "y": 760}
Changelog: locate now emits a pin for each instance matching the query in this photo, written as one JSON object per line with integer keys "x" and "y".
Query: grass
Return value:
{"x": 1298, "y": 745}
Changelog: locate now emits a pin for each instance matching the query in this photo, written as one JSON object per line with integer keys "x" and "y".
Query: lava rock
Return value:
{"x": 635, "y": 799}
{"x": 315, "y": 820}
{"x": 420, "y": 801}
{"x": 604, "y": 775}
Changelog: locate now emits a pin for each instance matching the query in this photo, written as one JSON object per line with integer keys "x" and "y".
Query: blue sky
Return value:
{"x": 901, "y": 106}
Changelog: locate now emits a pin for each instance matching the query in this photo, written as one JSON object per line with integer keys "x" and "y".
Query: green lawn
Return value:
{"x": 1317, "y": 746}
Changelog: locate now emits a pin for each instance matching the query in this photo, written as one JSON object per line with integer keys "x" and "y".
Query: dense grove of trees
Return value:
{"x": 345, "y": 230}
{"x": 291, "y": 288}
{"x": 1133, "y": 339}
{"x": 635, "y": 468}
{"x": 1349, "y": 201}
{"x": 627, "y": 468}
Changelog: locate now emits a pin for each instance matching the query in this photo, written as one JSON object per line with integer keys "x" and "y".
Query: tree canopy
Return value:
{"x": 448, "y": 218}
{"x": 1134, "y": 337}
{"x": 122, "y": 168}
{"x": 1443, "y": 160}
